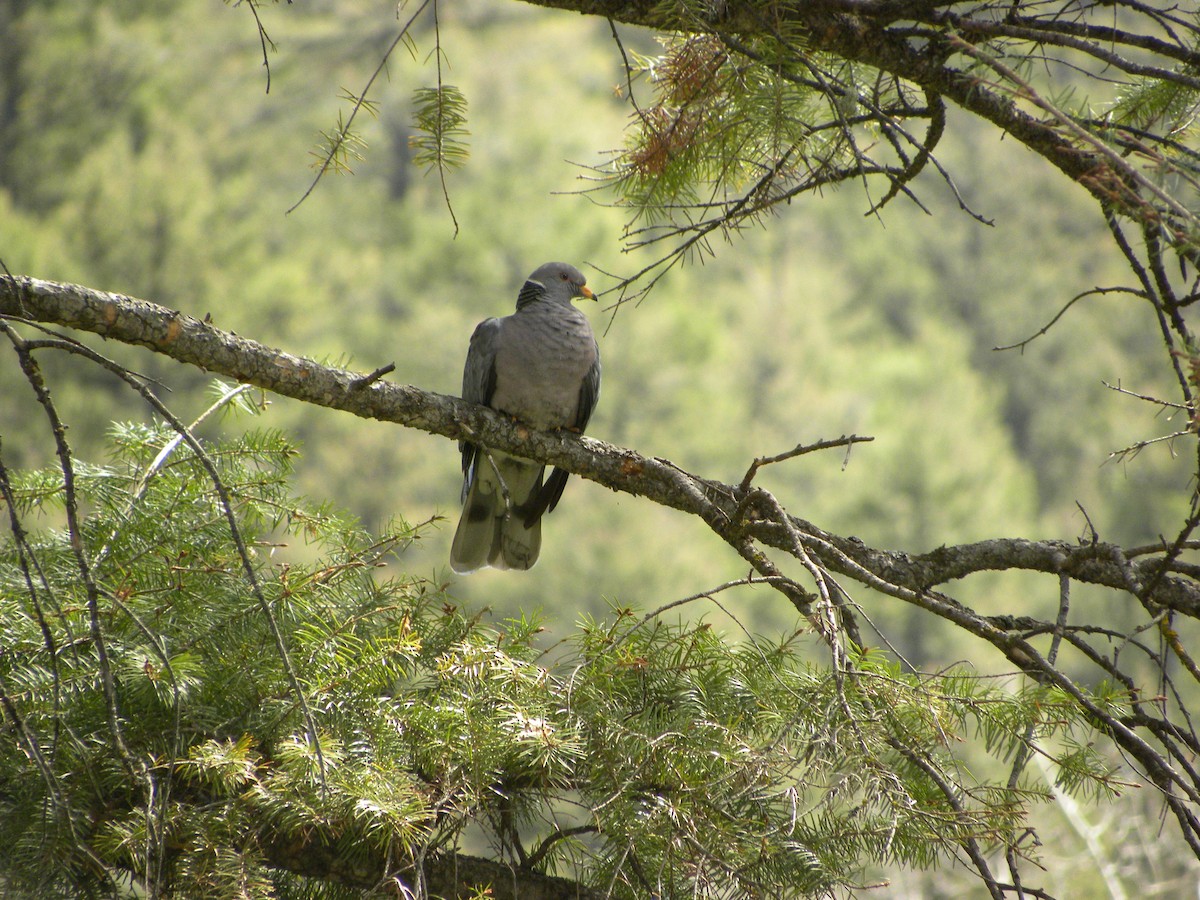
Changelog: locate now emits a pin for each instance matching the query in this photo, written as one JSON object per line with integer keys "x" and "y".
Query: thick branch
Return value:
{"x": 883, "y": 35}
{"x": 446, "y": 875}
{"x": 721, "y": 506}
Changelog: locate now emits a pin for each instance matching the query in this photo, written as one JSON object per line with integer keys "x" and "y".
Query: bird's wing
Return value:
{"x": 551, "y": 492}
{"x": 589, "y": 393}
{"x": 479, "y": 373}
{"x": 479, "y": 382}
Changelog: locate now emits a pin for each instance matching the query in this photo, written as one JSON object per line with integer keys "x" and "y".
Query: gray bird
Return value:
{"x": 540, "y": 365}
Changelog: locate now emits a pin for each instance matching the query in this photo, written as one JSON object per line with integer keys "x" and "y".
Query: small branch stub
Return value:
{"x": 846, "y": 441}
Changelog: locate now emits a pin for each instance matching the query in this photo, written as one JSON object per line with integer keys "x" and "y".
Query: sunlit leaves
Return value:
{"x": 440, "y": 118}
{"x": 720, "y": 766}
{"x": 717, "y": 126}
{"x": 342, "y": 147}
{"x": 224, "y": 766}
{"x": 799, "y": 776}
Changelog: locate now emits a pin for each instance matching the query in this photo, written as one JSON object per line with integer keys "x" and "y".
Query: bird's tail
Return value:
{"x": 493, "y": 530}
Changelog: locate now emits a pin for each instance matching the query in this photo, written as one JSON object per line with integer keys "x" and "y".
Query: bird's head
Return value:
{"x": 555, "y": 281}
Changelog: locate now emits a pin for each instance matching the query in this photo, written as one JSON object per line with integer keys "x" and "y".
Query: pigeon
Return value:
{"x": 540, "y": 365}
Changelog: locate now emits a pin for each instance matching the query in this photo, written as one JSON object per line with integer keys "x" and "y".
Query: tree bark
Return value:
{"x": 449, "y": 875}
{"x": 735, "y": 512}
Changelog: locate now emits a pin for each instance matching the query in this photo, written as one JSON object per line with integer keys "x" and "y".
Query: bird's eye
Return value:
{"x": 563, "y": 276}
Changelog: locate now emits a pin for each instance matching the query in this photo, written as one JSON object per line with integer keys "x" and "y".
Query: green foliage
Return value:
{"x": 684, "y": 763}
{"x": 712, "y": 121}
{"x": 440, "y": 117}
{"x": 203, "y": 708}
{"x": 342, "y": 147}
{"x": 1154, "y": 103}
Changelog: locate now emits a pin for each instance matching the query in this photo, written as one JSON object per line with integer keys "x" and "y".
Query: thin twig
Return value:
{"x": 846, "y": 441}
{"x": 441, "y": 159}
{"x": 263, "y": 38}
{"x": 360, "y": 101}
{"x": 1155, "y": 400}
{"x": 367, "y": 380}
{"x": 547, "y": 844}
{"x": 75, "y": 532}
{"x": 969, "y": 844}
{"x": 1020, "y": 345}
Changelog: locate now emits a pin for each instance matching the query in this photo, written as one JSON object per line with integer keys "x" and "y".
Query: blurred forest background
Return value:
{"x": 141, "y": 153}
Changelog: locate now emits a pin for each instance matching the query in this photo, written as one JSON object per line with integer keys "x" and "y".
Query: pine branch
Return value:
{"x": 443, "y": 875}
{"x": 921, "y": 44}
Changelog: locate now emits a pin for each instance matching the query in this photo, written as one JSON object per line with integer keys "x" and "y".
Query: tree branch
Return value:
{"x": 749, "y": 519}
{"x": 447, "y": 875}
{"x": 916, "y": 41}
{"x": 201, "y": 344}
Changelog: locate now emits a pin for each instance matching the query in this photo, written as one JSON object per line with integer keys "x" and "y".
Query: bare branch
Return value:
{"x": 201, "y": 344}
{"x": 801, "y": 450}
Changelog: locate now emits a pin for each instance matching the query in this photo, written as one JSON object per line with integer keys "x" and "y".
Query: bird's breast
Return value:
{"x": 540, "y": 366}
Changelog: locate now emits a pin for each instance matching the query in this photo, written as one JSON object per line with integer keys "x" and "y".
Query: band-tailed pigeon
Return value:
{"x": 540, "y": 365}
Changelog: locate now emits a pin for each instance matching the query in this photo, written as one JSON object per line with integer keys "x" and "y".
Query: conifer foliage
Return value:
{"x": 188, "y": 715}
